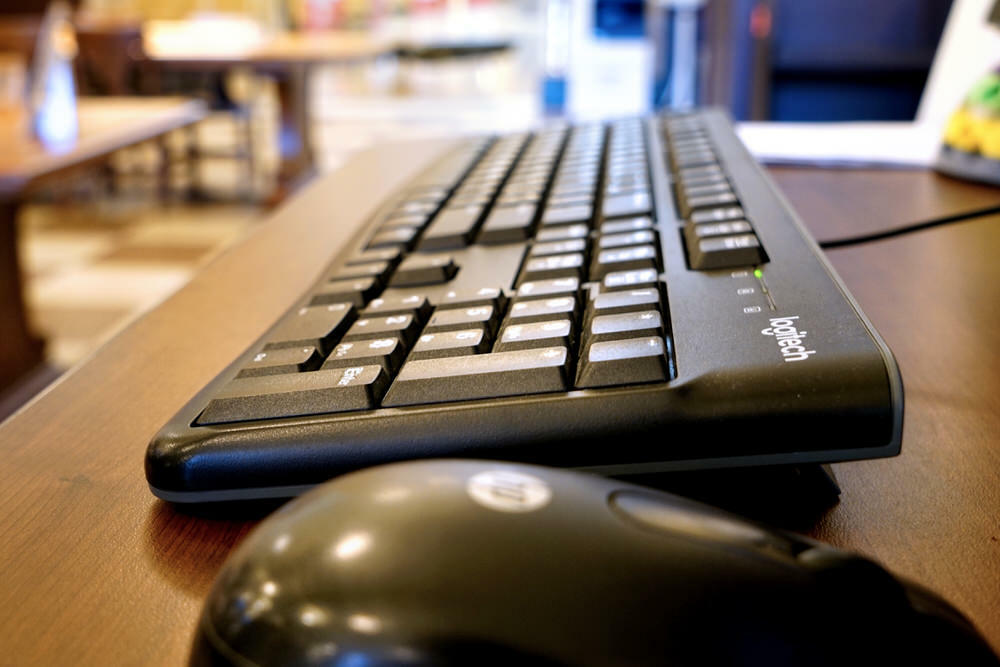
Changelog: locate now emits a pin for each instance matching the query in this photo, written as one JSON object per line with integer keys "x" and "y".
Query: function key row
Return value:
{"x": 716, "y": 231}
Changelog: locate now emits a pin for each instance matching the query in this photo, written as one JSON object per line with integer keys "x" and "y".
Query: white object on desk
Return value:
{"x": 850, "y": 144}
{"x": 969, "y": 48}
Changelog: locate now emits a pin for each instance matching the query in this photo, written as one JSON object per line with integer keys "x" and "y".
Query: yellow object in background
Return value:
{"x": 989, "y": 138}
{"x": 960, "y": 132}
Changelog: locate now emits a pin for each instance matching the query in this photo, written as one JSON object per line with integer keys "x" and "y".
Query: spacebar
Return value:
{"x": 479, "y": 376}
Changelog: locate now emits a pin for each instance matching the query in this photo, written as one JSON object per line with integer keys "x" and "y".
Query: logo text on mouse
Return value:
{"x": 508, "y": 491}
{"x": 791, "y": 341}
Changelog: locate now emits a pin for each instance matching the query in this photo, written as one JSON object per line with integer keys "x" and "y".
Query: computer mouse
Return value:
{"x": 455, "y": 562}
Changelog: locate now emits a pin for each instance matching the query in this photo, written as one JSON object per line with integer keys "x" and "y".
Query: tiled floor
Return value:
{"x": 92, "y": 268}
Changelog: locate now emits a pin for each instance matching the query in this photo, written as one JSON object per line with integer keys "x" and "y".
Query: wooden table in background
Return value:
{"x": 105, "y": 126}
{"x": 288, "y": 58}
{"x": 98, "y": 571}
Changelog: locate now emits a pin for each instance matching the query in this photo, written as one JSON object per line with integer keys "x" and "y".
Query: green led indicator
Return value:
{"x": 758, "y": 273}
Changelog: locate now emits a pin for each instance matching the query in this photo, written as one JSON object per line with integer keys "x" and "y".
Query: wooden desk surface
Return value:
{"x": 97, "y": 571}
{"x": 106, "y": 124}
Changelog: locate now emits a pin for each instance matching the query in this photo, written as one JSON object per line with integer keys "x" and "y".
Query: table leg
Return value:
{"x": 20, "y": 350}
{"x": 298, "y": 162}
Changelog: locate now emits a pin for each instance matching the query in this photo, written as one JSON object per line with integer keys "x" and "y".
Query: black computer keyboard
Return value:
{"x": 625, "y": 297}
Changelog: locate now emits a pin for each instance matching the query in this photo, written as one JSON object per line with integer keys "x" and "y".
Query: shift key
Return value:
{"x": 312, "y": 393}
{"x": 480, "y": 376}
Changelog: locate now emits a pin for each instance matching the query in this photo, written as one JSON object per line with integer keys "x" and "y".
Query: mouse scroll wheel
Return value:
{"x": 674, "y": 516}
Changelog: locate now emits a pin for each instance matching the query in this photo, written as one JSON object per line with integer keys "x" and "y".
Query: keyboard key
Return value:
{"x": 627, "y": 205}
{"x": 508, "y": 224}
{"x": 403, "y": 326}
{"x": 536, "y": 334}
{"x": 316, "y": 326}
{"x": 558, "y": 248}
{"x": 386, "y": 352}
{"x": 615, "y": 189}
{"x": 414, "y": 208}
{"x": 688, "y": 160}
{"x": 551, "y": 287}
{"x": 700, "y": 172}
{"x": 694, "y": 144}
{"x": 318, "y": 392}
{"x": 619, "y": 280}
{"x": 413, "y": 304}
{"x": 705, "y": 189}
{"x": 693, "y": 233}
{"x": 626, "y": 301}
{"x": 471, "y": 199}
{"x": 623, "y": 259}
{"x": 624, "y": 325}
{"x": 483, "y": 296}
{"x": 723, "y": 252}
{"x": 455, "y": 319}
{"x": 554, "y": 266}
{"x": 627, "y": 239}
{"x": 690, "y": 204}
{"x": 452, "y": 228}
{"x": 585, "y": 198}
{"x": 623, "y": 362}
{"x": 513, "y": 199}
{"x": 562, "y": 233}
{"x": 480, "y": 376}
{"x": 567, "y": 215}
{"x": 627, "y": 225}
{"x": 424, "y": 270}
{"x": 450, "y": 344}
{"x": 347, "y": 291}
{"x": 697, "y": 180}
{"x": 717, "y": 214}
{"x": 278, "y": 362}
{"x": 541, "y": 310}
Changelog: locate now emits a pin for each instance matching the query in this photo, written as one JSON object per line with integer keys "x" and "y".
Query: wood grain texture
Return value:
{"x": 933, "y": 513}
{"x": 97, "y": 571}
{"x": 866, "y": 200}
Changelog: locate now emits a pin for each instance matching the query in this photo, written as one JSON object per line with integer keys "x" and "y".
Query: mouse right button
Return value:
{"x": 676, "y": 515}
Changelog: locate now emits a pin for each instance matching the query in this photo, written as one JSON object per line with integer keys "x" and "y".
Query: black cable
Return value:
{"x": 906, "y": 229}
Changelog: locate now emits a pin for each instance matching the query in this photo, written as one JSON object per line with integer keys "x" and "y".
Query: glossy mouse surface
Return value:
{"x": 480, "y": 562}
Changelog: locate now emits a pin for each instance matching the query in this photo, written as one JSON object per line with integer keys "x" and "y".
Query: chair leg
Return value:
{"x": 246, "y": 127}
{"x": 191, "y": 161}
{"x": 163, "y": 168}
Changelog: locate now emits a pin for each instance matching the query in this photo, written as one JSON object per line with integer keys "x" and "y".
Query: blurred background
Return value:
{"x": 289, "y": 89}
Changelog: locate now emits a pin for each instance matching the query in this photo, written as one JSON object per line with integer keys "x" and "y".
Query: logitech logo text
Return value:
{"x": 791, "y": 341}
